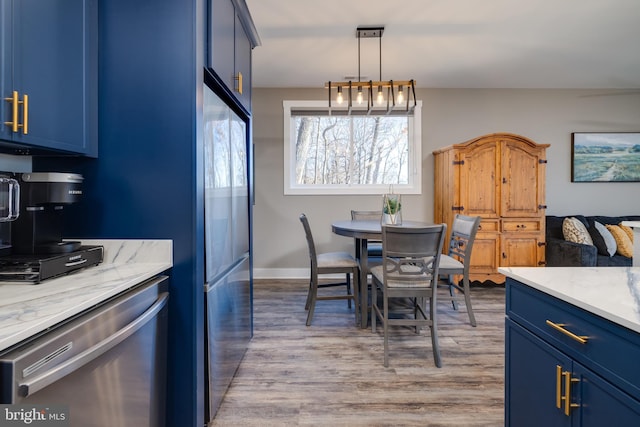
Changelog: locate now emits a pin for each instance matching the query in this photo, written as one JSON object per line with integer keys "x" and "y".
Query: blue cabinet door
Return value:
{"x": 602, "y": 404}
{"x": 229, "y": 49}
{"x": 243, "y": 65}
{"x": 530, "y": 380}
{"x": 6, "y": 40}
{"x": 51, "y": 58}
{"x": 221, "y": 33}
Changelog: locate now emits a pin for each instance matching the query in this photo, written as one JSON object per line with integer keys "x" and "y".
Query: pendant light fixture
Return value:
{"x": 397, "y": 92}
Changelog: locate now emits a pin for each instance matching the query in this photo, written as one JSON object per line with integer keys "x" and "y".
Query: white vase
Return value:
{"x": 392, "y": 219}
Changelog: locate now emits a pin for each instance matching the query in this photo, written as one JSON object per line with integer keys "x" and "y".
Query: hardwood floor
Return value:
{"x": 331, "y": 373}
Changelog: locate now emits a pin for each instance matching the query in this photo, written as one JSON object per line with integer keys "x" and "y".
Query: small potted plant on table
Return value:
{"x": 391, "y": 209}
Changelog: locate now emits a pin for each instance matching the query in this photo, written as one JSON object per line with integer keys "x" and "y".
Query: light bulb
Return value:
{"x": 339, "y": 98}
{"x": 400, "y": 95}
{"x": 359, "y": 97}
{"x": 380, "y": 96}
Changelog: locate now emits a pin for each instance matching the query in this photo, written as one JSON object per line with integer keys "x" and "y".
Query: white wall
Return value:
{"x": 449, "y": 116}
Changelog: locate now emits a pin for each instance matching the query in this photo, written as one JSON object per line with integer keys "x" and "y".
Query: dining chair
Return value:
{"x": 329, "y": 263}
{"x": 456, "y": 262}
{"x": 374, "y": 247}
{"x": 409, "y": 270}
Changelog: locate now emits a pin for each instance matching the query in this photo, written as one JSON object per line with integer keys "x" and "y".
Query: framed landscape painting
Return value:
{"x": 605, "y": 157}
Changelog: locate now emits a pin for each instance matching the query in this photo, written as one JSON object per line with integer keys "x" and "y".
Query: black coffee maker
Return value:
{"x": 43, "y": 196}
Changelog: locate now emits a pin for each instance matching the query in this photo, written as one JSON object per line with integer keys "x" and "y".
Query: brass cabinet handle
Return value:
{"x": 25, "y": 114}
{"x": 567, "y": 388}
{"x": 13, "y": 124}
{"x": 558, "y": 386}
{"x": 238, "y": 80}
{"x": 559, "y": 327}
{"x": 566, "y": 375}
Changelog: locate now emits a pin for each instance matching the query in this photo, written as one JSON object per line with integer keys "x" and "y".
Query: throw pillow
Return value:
{"x": 598, "y": 240}
{"x": 609, "y": 240}
{"x": 627, "y": 230}
{"x": 625, "y": 247}
{"x": 575, "y": 231}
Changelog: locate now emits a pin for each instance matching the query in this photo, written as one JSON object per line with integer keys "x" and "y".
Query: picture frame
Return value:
{"x": 605, "y": 157}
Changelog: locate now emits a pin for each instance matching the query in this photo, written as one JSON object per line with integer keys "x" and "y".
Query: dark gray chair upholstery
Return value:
{"x": 329, "y": 263}
{"x": 409, "y": 270}
{"x": 456, "y": 262}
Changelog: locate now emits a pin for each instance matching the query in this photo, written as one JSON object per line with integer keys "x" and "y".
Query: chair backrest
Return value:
{"x": 463, "y": 234}
{"x": 312, "y": 247}
{"x": 412, "y": 254}
{"x": 366, "y": 215}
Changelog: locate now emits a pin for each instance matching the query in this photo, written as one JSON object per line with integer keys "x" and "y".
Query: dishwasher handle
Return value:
{"x": 49, "y": 377}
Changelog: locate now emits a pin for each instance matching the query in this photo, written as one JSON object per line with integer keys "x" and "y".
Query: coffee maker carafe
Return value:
{"x": 9, "y": 209}
{"x": 43, "y": 196}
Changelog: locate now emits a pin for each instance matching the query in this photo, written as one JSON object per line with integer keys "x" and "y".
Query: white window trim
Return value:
{"x": 415, "y": 155}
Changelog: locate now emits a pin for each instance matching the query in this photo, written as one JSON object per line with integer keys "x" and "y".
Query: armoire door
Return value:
{"x": 479, "y": 172}
{"x": 521, "y": 249}
{"x": 522, "y": 179}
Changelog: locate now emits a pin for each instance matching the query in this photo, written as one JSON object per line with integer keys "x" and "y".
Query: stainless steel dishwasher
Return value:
{"x": 107, "y": 365}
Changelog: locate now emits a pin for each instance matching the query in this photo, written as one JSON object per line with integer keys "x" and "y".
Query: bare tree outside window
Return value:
{"x": 351, "y": 150}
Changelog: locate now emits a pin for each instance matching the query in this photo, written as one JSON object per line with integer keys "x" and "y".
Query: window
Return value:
{"x": 356, "y": 154}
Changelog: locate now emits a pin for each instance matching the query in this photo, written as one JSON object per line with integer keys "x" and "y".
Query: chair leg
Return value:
{"x": 385, "y": 327}
{"x": 313, "y": 292}
{"x": 418, "y": 302}
{"x": 348, "y": 282}
{"x": 434, "y": 332}
{"x": 451, "y": 292}
{"x": 374, "y": 295}
{"x": 356, "y": 297}
{"x": 467, "y": 301}
{"x": 306, "y": 304}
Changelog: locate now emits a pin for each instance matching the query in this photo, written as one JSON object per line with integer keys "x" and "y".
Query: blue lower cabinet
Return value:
{"x": 559, "y": 381}
{"x": 531, "y": 382}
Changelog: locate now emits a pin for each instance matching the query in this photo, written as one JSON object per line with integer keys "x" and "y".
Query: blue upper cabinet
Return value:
{"x": 49, "y": 76}
{"x": 221, "y": 41}
{"x": 231, "y": 38}
{"x": 242, "y": 81}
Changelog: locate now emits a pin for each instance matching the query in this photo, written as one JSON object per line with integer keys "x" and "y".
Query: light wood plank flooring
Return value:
{"x": 331, "y": 373}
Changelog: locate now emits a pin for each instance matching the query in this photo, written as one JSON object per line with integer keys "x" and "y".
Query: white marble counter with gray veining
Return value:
{"x": 609, "y": 292}
{"x": 27, "y": 309}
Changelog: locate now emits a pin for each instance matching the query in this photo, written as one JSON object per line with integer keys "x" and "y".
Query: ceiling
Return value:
{"x": 586, "y": 44}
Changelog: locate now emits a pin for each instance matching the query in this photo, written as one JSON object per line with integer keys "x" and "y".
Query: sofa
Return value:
{"x": 564, "y": 253}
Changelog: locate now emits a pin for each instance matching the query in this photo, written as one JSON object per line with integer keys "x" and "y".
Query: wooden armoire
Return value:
{"x": 501, "y": 178}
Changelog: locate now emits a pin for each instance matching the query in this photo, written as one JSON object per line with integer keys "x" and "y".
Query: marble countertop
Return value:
{"x": 612, "y": 293}
{"x": 27, "y": 309}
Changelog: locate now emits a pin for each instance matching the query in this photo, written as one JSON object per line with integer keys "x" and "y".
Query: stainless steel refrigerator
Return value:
{"x": 227, "y": 245}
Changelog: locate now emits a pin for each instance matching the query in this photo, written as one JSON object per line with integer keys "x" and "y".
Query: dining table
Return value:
{"x": 363, "y": 231}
